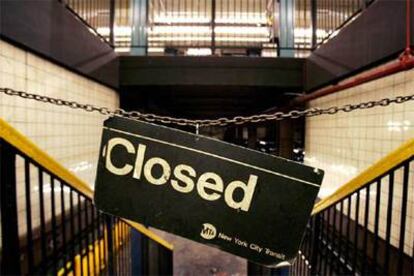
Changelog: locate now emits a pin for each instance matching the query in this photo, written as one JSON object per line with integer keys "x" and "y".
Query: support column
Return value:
{"x": 139, "y": 44}
{"x": 252, "y": 138}
{"x": 111, "y": 22}
{"x": 314, "y": 23}
{"x": 213, "y": 27}
{"x": 286, "y": 139}
{"x": 287, "y": 25}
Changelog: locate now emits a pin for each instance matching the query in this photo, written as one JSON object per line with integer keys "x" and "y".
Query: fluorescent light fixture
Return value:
{"x": 155, "y": 30}
{"x": 118, "y": 31}
{"x": 199, "y": 52}
{"x": 231, "y": 30}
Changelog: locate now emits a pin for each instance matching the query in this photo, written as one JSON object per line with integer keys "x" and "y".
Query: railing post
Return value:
{"x": 314, "y": 25}
{"x": 111, "y": 22}
{"x": 110, "y": 245}
{"x": 315, "y": 245}
{"x": 10, "y": 264}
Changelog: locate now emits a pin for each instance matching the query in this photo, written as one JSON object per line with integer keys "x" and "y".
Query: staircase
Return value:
{"x": 49, "y": 224}
{"x": 366, "y": 226}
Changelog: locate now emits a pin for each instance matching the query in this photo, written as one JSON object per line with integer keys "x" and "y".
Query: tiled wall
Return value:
{"x": 71, "y": 136}
{"x": 347, "y": 143}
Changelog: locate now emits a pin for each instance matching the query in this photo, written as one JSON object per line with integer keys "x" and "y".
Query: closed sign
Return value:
{"x": 250, "y": 204}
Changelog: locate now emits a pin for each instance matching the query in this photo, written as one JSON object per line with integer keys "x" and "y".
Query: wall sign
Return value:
{"x": 250, "y": 204}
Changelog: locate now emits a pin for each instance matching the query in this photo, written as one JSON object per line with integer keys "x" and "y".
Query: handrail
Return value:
{"x": 402, "y": 153}
{"x": 21, "y": 142}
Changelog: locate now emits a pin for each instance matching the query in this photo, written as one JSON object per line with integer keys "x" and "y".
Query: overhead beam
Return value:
{"x": 217, "y": 71}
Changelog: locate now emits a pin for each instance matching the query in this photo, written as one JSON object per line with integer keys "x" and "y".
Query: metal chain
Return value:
{"x": 238, "y": 120}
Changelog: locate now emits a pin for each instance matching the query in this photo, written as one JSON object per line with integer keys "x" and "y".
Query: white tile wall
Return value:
{"x": 72, "y": 137}
{"x": 347, "y": 143}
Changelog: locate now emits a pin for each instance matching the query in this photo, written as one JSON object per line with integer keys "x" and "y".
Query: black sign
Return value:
{"x": 250, "y": 204}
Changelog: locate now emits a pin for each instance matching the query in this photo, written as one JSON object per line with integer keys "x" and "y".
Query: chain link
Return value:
{"x": 238, "y": 120}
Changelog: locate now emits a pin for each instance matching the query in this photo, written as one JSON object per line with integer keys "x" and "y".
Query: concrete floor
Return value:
{"x": 191, "y": 258}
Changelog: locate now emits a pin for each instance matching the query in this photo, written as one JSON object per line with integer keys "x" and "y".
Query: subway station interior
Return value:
{"x": 327, "y": 84}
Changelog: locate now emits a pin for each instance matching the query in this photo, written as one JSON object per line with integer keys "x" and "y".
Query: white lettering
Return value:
{"x": 248, "y": 191}
{"x": 126, "y": 169}
{"x": 210, "y": 185}
{"x": 216, "y": 185}
{"x": 166, "y": 171}
{"x": 139, "y": 161}
{"x": 189, "y": 183}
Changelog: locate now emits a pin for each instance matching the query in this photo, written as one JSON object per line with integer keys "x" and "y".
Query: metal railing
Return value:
{"x": 96, "y": 15}
{"x": 49, "y": 224}
{"x": 364, "y": 228}
{"x": 332, "y": 15}
{"x": 316, "y": 21}
{"x": 212, "y": 27}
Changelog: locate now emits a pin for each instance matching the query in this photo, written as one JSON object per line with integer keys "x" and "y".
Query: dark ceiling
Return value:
{"x": 208, "y": 87}
{"x": 202, "y": 101}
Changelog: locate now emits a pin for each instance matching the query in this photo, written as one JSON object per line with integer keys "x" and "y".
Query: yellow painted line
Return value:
{"x": 21, "y": 142}
{"x": 402, "y": 153}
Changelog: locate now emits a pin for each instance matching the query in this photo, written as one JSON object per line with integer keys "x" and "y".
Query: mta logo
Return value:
{"x": 208, "y": 232}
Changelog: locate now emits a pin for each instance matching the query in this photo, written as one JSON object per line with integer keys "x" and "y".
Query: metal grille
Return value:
{"x": 95, "y": 14}
{"x": 365, "y": 233}
{"x": 49, "y": 227}
{"x": 207, "y": 27}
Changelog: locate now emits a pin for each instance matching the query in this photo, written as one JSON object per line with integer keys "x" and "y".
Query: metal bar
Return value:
{"x": 366, "y": 217}
{"x": 111, "y": 21}
{"x": 118, "y": 246}
{"x": 213, "y": 26}
{"x": 335, "y": 241}
{"x": 318, "y": 253}
{"x": 124, "y": 242}
{"x": 340, "y": 235}
{"x": 42, "y": 221}
{"x": 98, "y": 238}
{"x": 348, "y": 229}
{"x": 29, "y": 235}
{"x": 94, "y": 240}
{"x": 376, "y": 225}
{"x": 72, "y": 228}
{"x": 63, "y": 223}
{"x": 80, "y": 231}
{"x": 54, "y": 228}
{"x": 403, "y": 218}
{"x": 389, "y": 221}
{"x": 356, "y": 228}
{"x": 314, "y": 22}
{"x": 326, "y": 240}
{"x": 10, "y": 263}
{"x": 108, "y": 223}
{"x": 146, "y": 25}
{"x": 86, "y": 231}
{"x": 105, "y": 245}
{"x": 330, "y": 240}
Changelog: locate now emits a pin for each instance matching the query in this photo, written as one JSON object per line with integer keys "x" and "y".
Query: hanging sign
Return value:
{"x": 242, "y": 201}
